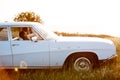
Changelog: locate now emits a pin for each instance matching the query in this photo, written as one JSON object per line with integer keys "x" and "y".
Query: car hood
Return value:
{"x": 85, "y": 39}
{"x": 86, "y": 42}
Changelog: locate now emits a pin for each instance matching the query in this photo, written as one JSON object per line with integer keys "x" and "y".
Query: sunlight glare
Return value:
{"x": 16, "y": 69}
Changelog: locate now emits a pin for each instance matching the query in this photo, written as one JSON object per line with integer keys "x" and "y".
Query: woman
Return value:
{"x": 23, "y": 34}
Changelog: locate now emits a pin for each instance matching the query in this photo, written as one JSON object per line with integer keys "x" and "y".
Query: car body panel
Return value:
{"x": 31, "y": 53}
{"x": 5, "y": 54}
{"x": 50, "y": 52}
{"x": 5, "y": 49}
{"x": 60, "y": 50}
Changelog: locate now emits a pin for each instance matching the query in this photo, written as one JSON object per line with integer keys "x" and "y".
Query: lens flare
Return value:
{"x": 16, "y": 69}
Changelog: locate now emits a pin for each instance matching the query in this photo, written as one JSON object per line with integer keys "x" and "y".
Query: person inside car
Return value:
{"x": 23, "y": 34}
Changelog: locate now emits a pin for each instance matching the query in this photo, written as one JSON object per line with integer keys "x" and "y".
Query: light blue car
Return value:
{"x": 27, "y": 45}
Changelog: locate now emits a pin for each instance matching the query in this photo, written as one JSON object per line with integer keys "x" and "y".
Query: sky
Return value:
{"x": 82, "y": 16}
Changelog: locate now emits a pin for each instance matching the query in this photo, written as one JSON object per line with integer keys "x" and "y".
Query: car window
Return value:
{"x": 3, "y": 34}
{"x": 39, "y": 37}
{"x": 24, "y": 33}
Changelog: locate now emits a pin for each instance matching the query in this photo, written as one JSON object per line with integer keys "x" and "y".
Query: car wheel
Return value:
{"x": 82, "y": 64}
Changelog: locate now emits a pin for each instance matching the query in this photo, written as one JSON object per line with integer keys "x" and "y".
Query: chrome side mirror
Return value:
{"x": 34, "y": 39}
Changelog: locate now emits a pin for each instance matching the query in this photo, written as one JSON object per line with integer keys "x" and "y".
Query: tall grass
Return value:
{"x": 105, "y": 72}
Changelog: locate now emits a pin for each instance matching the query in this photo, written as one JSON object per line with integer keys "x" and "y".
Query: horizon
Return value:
{"x": 98, "y": 17}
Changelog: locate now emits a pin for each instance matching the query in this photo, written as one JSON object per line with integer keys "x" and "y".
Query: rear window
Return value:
{"x": 3, "y": 34}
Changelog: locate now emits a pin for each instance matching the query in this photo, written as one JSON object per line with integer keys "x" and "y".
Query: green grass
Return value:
{"x": 106, "y": 72}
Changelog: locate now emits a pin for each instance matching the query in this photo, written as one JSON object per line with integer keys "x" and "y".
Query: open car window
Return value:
{"x": 24, "y": 33}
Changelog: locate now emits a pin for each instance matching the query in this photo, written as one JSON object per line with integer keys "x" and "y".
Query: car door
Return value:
{"x": 28, "y": 53}
{"x": 5, "y": 48}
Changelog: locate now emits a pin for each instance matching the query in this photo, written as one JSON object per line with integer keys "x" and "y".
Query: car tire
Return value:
{"x": 82, "y": 63}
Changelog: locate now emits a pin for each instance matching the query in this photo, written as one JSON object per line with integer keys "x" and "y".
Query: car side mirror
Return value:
{"x": 34, "y": 39}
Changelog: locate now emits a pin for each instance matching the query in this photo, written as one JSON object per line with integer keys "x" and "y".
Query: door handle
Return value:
{"x": 15, "y": 44}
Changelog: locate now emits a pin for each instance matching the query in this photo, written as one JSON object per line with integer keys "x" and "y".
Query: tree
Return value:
{"x": 28, "y": 17}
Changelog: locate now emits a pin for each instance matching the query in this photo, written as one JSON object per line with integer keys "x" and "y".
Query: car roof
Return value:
{"x": 18, "y": 23}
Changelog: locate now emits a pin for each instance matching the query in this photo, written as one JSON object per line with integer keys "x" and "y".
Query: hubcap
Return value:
{"x": 82, "y": 64}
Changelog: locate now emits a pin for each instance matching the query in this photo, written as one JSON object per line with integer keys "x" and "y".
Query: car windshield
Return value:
{"x": 45, "y": 32}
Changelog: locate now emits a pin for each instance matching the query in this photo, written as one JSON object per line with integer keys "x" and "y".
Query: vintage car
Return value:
{"x": 43, "y": 49}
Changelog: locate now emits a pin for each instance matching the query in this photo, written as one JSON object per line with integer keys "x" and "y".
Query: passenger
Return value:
{"x": 23, "y": 34}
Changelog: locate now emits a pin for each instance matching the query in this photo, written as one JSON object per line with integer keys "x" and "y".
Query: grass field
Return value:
{"x": 106, "y": 72}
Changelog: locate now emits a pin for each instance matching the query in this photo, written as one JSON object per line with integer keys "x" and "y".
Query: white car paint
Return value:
{"x": 50, "y": 52}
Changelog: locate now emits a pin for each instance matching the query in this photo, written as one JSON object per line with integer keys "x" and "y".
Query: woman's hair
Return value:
{"x": 24, "y": 29}
{"x": 23, "y": 35}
